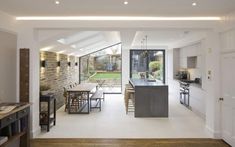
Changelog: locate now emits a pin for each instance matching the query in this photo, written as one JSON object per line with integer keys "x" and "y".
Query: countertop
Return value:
{"x": 197, "y": 85}
{"x": 146, "y": 82}
{"x": 20, "y": 106}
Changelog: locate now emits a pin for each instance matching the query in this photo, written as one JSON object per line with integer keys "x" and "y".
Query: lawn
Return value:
{"x": 107, "y": 75}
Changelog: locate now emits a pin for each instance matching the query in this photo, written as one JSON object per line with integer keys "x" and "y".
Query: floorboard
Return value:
{"x": 72, "y": 142}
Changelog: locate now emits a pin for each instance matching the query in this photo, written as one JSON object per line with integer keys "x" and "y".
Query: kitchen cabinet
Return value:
{"x": 192, "y": 62}
{"x": 197, "y": 100}
{"x": 183, "y": 62}
{"x": 15, "y": 125}
{"x": 151, "y": 98}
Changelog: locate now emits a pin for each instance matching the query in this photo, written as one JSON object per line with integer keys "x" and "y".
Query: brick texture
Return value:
{"x": 58, "y": 77}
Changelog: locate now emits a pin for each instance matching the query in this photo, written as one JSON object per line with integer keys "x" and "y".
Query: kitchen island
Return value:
{"x": 151, "y": 98}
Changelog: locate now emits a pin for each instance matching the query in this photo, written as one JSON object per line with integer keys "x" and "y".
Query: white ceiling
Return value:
{"x": 76, "y": 42}
{"x": 79, "y": 43}
{"x": 117, "y": 8}
{"x": 163, "y": 37}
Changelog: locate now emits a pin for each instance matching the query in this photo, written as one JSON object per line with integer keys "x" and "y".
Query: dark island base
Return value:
{"x": 151, "y": 99}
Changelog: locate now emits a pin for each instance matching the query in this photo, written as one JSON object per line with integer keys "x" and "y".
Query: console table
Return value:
{"x": 15, "y": 124}
{"x": 45, "y": 114}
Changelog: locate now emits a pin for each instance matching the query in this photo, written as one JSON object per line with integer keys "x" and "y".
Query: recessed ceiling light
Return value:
{"x": 126, "y": 2}
{"x": 194, "y": 4}
{"x": 57, "y": 2}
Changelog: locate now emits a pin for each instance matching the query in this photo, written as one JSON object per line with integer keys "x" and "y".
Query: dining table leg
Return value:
{"x": 69, "y": 102}
{"x": 88, "y": 101}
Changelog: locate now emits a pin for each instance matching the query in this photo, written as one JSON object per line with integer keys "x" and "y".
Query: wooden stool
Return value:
{"x": 129, "y": 95}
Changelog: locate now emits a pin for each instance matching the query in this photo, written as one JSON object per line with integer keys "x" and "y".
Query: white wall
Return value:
{"x": 7, "y": 23}
{"x": 125, "y": 67}
{"x": 212, "y": 85}
{"x": 27, "y": 39}
{"x": 8, "y": 84}
{"x": 8, "y": 57}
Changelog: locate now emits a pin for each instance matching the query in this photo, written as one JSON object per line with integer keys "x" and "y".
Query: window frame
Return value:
{"x": 148, "y": 50}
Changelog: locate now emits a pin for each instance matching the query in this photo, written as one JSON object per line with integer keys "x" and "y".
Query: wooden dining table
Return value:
{"x": 78, "y": 98}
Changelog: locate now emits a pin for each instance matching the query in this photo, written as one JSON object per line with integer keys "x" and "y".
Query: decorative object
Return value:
{"x": 58, "y": 64}
{"x": 69, "y": 63}
{"x": 24, "y": 74}
{"x": 144, "y": 46}
{"x": 76, "y": 63}
{"x": 43, "y": 63}
{"x": 44, "y": 89}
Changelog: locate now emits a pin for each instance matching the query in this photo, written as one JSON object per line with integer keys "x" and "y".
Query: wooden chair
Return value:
{"x": 73, "y": 101}
{"x": 65, "y": 94}
{"x": 97, "y": 96}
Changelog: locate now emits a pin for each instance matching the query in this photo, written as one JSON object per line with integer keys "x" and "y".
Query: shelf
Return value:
{"x": 45, "y": 114}
{"x": 50, "y": 121}
{"x": 13, "y": 138}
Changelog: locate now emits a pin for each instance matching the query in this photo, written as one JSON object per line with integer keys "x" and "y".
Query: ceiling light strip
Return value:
{"x": 117, "y": 18}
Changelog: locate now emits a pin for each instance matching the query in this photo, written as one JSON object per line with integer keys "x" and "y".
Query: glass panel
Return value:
{"x": 147, "y": 64}
{"x": 156, "y": 65}
{"x": 103, "y": 67}
{"x": 139, "y": 64}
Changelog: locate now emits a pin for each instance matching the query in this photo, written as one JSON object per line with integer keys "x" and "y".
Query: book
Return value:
{"x": 3, "y": 139}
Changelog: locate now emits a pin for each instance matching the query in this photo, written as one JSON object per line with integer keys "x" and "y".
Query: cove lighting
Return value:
{"x": 60, "y": 52}
{"x": 125, "y": 18}
{"x": 71, "y": 54}
{"x": 46, "y": 48}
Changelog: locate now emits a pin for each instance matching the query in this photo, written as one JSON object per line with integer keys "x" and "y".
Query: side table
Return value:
{"x": 46, "y": 116}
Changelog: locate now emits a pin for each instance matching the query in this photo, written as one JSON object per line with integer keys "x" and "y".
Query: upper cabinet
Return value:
{"x": 189, "y": 56}
{"x": 192, "y": 62}
{"x": 183, "y": 62}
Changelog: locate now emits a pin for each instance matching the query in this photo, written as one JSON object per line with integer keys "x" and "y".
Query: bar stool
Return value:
{"x": 129, "y": 96}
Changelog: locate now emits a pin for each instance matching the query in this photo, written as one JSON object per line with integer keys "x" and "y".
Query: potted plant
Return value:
{"x": 44, "y": 89}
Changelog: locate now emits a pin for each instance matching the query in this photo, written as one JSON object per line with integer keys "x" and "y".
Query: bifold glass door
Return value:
{"x": 147, "y": 64}
{"x": 103, "y": 67}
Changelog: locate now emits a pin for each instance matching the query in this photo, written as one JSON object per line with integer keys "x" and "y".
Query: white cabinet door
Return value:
{"x": 197, "y": 100}
{"x": 228, "y": 94}
{"x": 183, "y": 62}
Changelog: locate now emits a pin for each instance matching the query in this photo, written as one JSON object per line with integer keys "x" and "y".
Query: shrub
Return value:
{"x": 154, "y": 66}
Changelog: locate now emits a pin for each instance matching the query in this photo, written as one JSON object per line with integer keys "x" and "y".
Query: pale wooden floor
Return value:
{"x": 128, "y": 143}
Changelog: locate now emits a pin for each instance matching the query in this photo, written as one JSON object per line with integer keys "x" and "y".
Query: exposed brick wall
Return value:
{"x": 58, "y": 77}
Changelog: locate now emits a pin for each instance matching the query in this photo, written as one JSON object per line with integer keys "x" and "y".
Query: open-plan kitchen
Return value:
{"x": 117, "y": 73}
